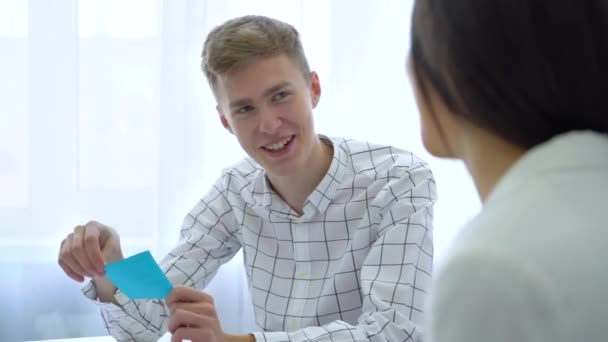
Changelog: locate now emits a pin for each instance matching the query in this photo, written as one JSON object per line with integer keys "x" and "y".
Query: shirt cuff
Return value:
{"x": 271, "y": 336}
{"x": 90, "y": 291}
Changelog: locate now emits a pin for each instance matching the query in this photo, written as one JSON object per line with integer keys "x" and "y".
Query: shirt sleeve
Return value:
{"x": 480, "y": 296}
{"x": 395, "y": 276}
{"x": 208, "y": 239}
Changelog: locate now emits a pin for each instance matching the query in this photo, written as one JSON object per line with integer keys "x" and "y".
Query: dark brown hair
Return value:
{"x": 525, "y": 69}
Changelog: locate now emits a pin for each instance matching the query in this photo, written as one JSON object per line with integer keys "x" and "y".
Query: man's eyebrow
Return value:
{"x": 239, "y": 103}
{"x": 275, "y": 88}
{"x": 267, "y": 92}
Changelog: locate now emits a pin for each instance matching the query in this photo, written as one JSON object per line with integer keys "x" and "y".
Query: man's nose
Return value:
{"x": 270, "y": 122}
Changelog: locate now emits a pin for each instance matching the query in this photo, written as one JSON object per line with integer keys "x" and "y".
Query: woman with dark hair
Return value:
{"x": 517, "y": 90}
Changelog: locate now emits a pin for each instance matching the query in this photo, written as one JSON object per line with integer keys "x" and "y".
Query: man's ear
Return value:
{"x": 224, "y": 120}
{"x": 315, "y": 88}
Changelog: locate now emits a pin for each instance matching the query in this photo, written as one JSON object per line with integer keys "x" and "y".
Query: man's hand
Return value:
{"x": 84, "y": 252}
{"x": 193, "y": 316}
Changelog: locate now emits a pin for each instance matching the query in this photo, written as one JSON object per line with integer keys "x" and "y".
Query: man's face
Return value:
{"x": 267, "y": 104}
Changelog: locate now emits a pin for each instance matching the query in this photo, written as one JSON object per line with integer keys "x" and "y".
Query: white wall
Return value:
{"x": 104, "y": 114}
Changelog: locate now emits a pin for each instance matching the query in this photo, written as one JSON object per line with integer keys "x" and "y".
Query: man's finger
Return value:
{"x": 77, "y": 277}
{"x": 187, "y": 294}
{"x": 189, "y": 334}
{"x": 202, "y": 308}
{"x": 183, "y": 318}
{"x": 79, "y": 254}
{"x": 66, "y": 258}
{"x": 93, "y": 249}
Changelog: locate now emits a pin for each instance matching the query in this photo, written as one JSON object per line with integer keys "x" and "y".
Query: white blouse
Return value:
{"x": 533, "y": 265}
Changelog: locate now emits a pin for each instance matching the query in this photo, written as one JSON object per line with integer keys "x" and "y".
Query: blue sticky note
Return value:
{"x": 139, "y": 277}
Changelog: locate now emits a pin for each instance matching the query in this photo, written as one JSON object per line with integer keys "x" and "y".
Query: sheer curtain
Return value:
{"x": 105, "y": 115}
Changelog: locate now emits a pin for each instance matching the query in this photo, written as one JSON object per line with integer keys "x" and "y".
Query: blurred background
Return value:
{"x": 105, "y": 115}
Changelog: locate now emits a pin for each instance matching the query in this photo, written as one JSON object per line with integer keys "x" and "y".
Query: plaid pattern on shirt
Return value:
{"x": 355, "y": 266}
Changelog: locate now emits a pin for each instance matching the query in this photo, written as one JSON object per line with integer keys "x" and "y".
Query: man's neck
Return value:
{"x": 295, "y": 189}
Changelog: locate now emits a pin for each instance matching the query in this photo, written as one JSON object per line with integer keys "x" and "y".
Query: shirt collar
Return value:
{"x": 566, "y": 152}
{"x": 318, "y": 201}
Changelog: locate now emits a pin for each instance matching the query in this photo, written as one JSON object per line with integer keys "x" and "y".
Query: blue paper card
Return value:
{"x": 139, "y": 277}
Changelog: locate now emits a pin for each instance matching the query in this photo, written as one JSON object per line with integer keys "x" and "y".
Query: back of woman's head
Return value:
{"x": 525, "y": 69}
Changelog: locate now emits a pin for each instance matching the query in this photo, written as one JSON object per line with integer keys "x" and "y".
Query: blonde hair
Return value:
{"x": 244, "y": 39}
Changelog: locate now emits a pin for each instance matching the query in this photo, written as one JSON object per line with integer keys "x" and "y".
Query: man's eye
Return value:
{"x": 280, "y": 95}
{"x": 244, "y": 109}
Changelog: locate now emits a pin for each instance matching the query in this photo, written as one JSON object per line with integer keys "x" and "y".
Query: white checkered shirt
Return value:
{"x": 355, "y": 266}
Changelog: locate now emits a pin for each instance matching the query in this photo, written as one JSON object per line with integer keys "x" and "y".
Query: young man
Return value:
{"x": 337, "y": 233}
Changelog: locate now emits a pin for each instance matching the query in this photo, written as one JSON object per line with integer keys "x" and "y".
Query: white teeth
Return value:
{"x": 278, "y": 146}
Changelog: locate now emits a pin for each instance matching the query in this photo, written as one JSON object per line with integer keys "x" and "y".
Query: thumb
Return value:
{"x": 110, "y": 246}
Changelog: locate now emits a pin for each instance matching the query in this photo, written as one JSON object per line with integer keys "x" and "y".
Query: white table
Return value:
{"x": 83, "y": 339}
{"x": 165, "y": 338}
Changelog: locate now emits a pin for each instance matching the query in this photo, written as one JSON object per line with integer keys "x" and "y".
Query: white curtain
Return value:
{"x": 105, "y": 115}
